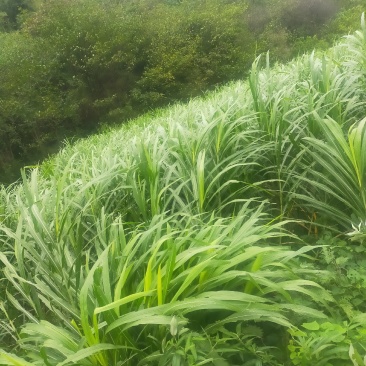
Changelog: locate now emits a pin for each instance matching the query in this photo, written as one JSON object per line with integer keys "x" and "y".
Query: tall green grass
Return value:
{"x": 175, "y": 240}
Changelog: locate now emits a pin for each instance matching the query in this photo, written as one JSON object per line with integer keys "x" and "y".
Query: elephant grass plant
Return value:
{"x": 203, "y": 273}
{"x": 167, "y": 242}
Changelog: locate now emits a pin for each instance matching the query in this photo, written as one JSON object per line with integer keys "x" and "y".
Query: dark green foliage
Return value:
{"x": 307, "y": 17}
{"x": 10, "y": 11}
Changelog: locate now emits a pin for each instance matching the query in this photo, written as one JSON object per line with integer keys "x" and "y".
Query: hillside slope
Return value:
{"x": 226, "y": 231}
{"x": 68, "y": 66}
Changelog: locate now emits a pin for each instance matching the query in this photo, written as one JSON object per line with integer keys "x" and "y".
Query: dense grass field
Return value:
{"x": 226, "y": 231}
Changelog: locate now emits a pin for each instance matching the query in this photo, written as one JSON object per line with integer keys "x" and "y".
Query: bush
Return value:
{"x": 306, "y": 17}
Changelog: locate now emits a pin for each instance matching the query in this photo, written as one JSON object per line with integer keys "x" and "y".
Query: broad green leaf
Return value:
{"x": 311, "y": 326}
{"x": 85, "y": 354}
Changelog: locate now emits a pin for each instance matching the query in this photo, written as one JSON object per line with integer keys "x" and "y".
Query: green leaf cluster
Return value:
{"x": 226, "y": 231}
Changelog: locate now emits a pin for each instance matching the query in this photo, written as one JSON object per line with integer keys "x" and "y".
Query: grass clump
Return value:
{"x": 227, "y": 231}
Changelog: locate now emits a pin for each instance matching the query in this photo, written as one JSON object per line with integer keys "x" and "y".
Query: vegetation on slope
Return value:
{"x": 69, "y": 66}
{"x": 228, "y": 231}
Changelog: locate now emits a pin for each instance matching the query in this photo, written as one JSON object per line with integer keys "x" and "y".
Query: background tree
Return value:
{"x": 10, "y": 10}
